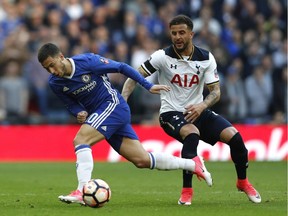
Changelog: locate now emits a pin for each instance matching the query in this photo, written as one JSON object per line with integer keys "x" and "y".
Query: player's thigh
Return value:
{"x": 211, "y": 126}
{"x": 87, "y": 135}
{"x": 175, "y": 125}
{"x": 133, "y": 151}
{"x": 180, "y": 132}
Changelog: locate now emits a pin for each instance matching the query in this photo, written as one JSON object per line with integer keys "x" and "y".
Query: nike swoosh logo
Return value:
{"x": 202, "y": 169}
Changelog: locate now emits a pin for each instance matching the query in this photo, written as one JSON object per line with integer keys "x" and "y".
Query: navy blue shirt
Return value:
{"x": 88, "y": 86}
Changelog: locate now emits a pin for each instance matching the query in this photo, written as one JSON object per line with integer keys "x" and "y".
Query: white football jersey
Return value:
{"x": 186, "y": 77}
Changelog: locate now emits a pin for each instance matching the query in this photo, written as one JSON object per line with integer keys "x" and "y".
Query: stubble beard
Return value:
{"x": 64, "y": 69}
{"x": 180, "y": 50}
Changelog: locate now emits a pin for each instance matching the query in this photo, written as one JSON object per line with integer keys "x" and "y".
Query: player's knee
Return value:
{"x": 237, "y": 145}
{"x": 76, "y": 141}
{"x": 84, "y": 139}
{"x": 141, "y": 163}
{"x": 227, "y": 134}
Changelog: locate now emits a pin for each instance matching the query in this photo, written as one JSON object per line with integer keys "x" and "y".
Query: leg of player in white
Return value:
{"x": 133, "y": 151}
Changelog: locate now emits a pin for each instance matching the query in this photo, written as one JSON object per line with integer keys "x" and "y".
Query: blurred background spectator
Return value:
{"x": 247, "y": 37}
{"x": 14, "y": 94}
{"x": 258, "y": 88}
{"x": 237, "y": 100}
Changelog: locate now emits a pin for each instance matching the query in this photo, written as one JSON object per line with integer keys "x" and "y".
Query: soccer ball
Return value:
{"x": 96, "y": 193}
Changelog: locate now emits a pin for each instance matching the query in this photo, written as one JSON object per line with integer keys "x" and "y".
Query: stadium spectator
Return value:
{"x": 259, "y": 91}
{"x": 10, "y": 20}
{"x": 85, "y": 21}
{"x": 114, "y": 20}
{"x": 231, "y": 38}
{"x": 14, "y": 94}
{"x": 37, "y": 78}
{"x": 279, "y": 104}
{"x": 237, "y": 103}
{"x": 74, "y": 9}
{"x": 253, "y": 53}
{"x": 246, "y": 12}
{"x": 277, "y": 15}
{"x": 206, "y": 20}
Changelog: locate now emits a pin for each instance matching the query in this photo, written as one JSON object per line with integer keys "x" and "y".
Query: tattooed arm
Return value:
{"x": 214, "y": 94}
{"x": 192, "y": 112}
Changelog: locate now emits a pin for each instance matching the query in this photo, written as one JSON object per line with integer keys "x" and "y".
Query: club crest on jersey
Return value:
{"x": 103, "y": 60}
{"x": 86, "y": 78}
{"x": 198, "y": 71}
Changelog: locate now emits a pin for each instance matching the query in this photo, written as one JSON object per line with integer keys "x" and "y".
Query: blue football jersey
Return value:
{"x": 88, "y": 85}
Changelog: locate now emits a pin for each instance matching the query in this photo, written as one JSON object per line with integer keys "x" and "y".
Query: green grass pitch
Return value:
{"x": 31, "y": 189}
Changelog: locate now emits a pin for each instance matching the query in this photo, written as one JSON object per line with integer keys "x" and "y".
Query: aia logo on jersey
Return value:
{"x": 105, "y": 61}
{"x": 86, "y": 78}
{"x": 185, "y": 80}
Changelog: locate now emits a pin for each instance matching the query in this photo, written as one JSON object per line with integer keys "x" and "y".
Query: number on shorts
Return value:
{"x": 92, "y": 117}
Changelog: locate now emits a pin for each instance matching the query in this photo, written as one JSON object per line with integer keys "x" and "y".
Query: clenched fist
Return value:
{"x": 81, "y": 116}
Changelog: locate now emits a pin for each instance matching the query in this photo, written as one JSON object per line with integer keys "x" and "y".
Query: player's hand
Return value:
{"x": 81, "y": 116}
{"x": 192, "y": 112}
{"x": 155, "y": 89}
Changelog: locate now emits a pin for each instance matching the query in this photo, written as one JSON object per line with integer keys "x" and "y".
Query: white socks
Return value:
{"x": 160, "y": 161}
{"x": 164, "y": 161}
{"x": 84, "y": 164}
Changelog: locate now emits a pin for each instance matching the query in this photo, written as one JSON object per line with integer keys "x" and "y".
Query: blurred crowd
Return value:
{"x": 247, "y": 37}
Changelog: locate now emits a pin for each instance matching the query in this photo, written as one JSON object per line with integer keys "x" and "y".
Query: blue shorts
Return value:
{"x": 114, "y": 122}
{"x": 209, "y": 124}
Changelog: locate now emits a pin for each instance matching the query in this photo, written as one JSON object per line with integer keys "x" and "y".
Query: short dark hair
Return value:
{"x": 48, "y": 49}
{"x": 182, "y": 19}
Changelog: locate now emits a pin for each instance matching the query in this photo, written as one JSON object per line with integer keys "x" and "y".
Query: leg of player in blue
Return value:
{"x": 126, "y": 143}
{"x": 84, "y": 167}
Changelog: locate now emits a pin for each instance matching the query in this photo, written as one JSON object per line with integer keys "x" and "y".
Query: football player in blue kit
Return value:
{"x": 184, "y": 113}
{"x": 81, "y": 82}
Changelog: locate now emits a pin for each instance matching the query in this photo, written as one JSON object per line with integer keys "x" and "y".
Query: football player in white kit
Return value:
{"x": 184, "y": 112}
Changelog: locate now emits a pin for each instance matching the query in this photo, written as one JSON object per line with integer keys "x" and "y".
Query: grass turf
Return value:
{"x": 31, "y": 189}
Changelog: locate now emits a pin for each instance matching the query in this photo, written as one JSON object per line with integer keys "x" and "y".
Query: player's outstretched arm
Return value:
{"x": 128, "y": 88}
{"x": 155, "y": 89}
{"x": 130, "y": 85}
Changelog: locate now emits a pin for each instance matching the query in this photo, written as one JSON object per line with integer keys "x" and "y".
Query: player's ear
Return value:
{"x": 192, "y": 34}
{"x": 61, "y": 56}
